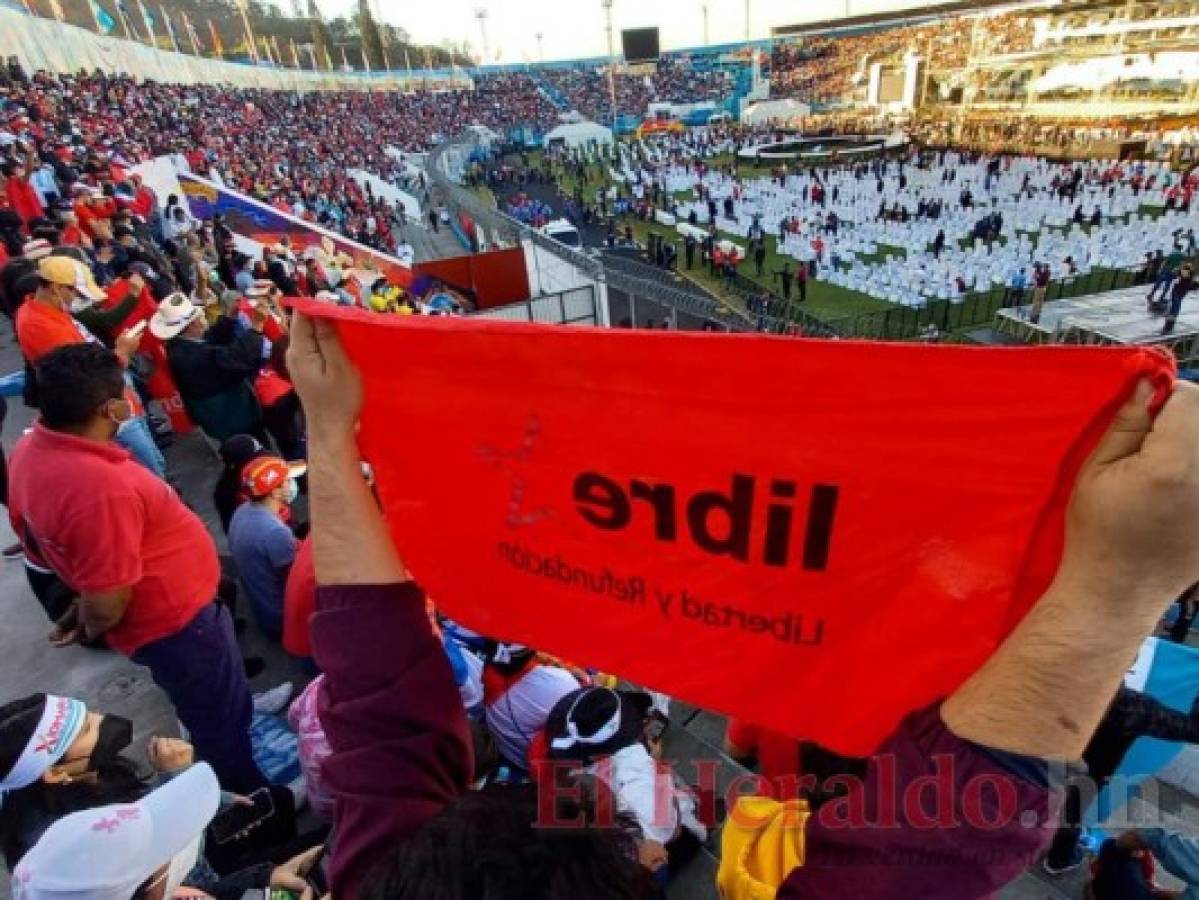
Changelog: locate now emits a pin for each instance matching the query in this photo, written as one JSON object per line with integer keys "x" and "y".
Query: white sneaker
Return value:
{"x": 275, "y": 700}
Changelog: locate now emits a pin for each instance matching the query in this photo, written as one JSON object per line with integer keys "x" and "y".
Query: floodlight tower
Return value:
{"x": 540, "y": 47}
{"x": 481, "y": 15}
{"x": 607, "y": 5}
{"x": 748, "y": 33}
{"x": 707, "y": 37}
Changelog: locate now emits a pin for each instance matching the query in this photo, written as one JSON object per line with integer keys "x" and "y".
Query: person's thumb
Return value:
{"x": 1128, "y": 429}
{"x": 289, "y": 881}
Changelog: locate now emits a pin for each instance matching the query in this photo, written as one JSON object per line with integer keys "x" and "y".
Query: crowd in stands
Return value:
{"x": 676, "y": 80}
{"x": 291, "y": 151}
{"x": 834, "y": 68}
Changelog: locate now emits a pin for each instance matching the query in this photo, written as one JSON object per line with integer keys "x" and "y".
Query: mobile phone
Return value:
{"x": 228, "y": 824}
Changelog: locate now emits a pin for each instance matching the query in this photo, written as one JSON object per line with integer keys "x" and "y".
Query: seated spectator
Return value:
{"x": 145, "y": 850}
{"x": 42, "y": 780}
{"x": 263, "y": 547}
{"x": 230, "y": 493}
{"x": 612, "y": 735}
{"x": 519, "y": 691}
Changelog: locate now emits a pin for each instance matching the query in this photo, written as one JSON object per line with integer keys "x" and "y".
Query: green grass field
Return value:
{"x": 826, "y": 301}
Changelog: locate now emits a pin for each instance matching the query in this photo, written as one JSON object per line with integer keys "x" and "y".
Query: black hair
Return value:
{"x": 74, "y": 381}
{"x": 29, "y": 811}
{"x": 488, "y": 845}
{"x": 18, "y": 720}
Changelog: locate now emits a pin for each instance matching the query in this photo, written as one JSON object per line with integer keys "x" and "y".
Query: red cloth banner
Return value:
{"x": 813, "y": 536}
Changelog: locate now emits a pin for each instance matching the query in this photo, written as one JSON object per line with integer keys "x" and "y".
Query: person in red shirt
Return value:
{"x": 145, "y": 202}
{"x": 72, "y": 235}
{"x": 44, "y": 323}
{"x": 21, "y": 195}
{"x": 143, "y": 563}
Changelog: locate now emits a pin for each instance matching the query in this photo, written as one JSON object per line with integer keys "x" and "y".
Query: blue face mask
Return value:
{"x": 292, "y": 491}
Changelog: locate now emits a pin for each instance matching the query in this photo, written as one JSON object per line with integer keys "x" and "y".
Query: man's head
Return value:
{"x": 65, "y": 284}
{"x": 569, "y": 857}
{"x": 81, "y": 389}
{"x": 56, "y": 739}
{"x": 176, "y": 317}
{"x": 270, "y": 480}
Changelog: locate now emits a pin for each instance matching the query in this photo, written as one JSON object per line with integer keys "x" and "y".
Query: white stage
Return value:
{"x": 1113, "y": 317}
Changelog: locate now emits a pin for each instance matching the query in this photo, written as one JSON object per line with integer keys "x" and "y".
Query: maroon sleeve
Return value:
{"x": 393, "y": 718}
{"x": 937, "y": 818}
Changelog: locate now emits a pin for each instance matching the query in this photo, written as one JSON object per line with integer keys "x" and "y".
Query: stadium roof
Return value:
{"x": 899, "y": 16}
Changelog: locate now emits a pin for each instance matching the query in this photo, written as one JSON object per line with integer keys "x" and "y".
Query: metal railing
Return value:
{"x": 977, "y": 308}
{"x": 578, "y": 306}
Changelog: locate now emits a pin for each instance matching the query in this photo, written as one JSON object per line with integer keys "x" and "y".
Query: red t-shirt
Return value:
{"x": 23, "y": 199}
{"x": 42, "y": 328}
{"x": 102, "y": 521}
{"x": 299, "y": 601}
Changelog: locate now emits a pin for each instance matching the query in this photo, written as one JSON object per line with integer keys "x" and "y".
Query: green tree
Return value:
{"x": 322, "y": 44}
{"x": 372, "y": 44}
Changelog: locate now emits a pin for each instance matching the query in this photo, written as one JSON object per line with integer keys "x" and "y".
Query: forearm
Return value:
{"x": 351, "y": 543}
{"x": 1044, "y": 691}
{"x": 99, "y": 614}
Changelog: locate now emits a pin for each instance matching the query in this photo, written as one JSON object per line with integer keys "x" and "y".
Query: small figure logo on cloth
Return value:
{"x": 511, "y": 463}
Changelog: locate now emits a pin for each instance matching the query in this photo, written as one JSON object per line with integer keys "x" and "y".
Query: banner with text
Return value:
{"x": 814, "y": 536}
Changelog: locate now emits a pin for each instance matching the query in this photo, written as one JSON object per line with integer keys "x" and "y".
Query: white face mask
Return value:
{"x": 181, "y": 865}
{"x": 291, "y": 491}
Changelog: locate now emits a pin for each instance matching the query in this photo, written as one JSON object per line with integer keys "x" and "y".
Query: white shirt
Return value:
{"x": 649, "y": 794}
{"x": 517, "y": 715}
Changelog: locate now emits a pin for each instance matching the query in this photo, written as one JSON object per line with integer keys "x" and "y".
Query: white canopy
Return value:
{"x": 578, "y": 134}
{"x": 774, "y": 111}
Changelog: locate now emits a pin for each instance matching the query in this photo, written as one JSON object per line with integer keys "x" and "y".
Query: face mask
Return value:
{"x": 291, "y": 491}
{"x": 116, "y": 733}
{"x": 181, "y": 865}
{"x": 80, "y": 303}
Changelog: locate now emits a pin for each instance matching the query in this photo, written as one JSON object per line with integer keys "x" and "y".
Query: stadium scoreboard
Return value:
{"x": 640, "y": 45}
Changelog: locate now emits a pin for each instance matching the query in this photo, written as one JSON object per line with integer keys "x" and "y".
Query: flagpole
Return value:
{"x": 95, "y": 16}
{"x": 245, "y": 20}
{"x": 148, "y": 21}
{"x": 170, "y": 26}
{"x": 124, "y": 19}
{"x": 191, "y": 33}
{"x": 218, "y": 49}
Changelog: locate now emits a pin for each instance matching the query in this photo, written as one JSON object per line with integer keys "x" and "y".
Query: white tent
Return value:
{"x": 579, "y": 134}
{"x": 769, "y": 111}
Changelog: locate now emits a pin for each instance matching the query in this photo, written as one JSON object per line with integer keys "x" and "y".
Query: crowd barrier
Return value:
{"x": 977, "y": 308}
{"x": 46, "y": 44}
{"x": 578, "y": 306}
